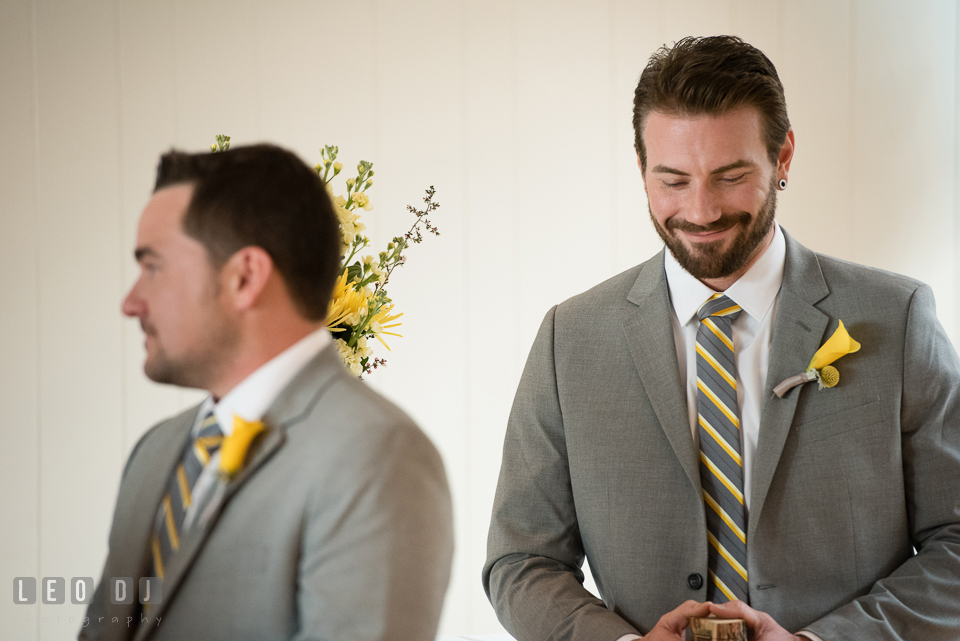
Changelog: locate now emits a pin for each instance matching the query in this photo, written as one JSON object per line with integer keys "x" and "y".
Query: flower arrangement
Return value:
{"x": 360, "y": 309}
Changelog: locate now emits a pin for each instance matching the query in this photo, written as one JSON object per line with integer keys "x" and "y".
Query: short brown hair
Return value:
{"x": 265, "y": 196}
{"x": 710, "y": 76}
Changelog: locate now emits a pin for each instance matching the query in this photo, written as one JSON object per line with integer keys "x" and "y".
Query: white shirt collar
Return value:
{"x": 254, "y": 395}
{"x": 754, "y": 292}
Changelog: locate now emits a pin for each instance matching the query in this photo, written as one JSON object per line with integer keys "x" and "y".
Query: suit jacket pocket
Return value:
{"x": 840, "y": 422}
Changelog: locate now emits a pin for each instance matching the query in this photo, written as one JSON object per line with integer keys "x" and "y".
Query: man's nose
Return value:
{"x": 703, "y": 206}
{"x": 133, "y": 305}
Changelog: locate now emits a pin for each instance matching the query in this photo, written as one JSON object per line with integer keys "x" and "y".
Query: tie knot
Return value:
{"x": 719, "y": 305}
{"x": 210, "y": 434}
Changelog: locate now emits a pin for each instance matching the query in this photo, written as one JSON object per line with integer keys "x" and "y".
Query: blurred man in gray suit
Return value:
{"x": 293, "y": 503}
{"x": 646, "y": 435}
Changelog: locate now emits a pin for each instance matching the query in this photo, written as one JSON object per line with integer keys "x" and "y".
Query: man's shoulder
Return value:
{"x": 349, "y": 416}
{"x": 611, "y": 294}
{"x": 842, "y": 276}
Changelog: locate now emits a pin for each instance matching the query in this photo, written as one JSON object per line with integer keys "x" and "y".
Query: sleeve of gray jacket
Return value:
{"x": 919, "y": 599}
{"x": 533, "y": 574}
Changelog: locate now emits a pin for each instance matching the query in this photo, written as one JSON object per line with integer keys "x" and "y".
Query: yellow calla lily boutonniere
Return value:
{"x": 820, "y": 368}
{"x": 233, "y": 450}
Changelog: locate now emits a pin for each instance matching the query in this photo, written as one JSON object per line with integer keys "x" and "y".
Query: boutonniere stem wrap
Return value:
{"x": 233, "y": 450}
{"x": 820, "y": 368}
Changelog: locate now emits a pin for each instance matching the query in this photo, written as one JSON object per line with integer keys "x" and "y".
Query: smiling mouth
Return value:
{"x": 707, "y": 236}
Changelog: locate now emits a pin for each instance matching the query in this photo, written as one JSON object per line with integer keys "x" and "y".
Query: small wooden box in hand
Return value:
{"x": 713, "y": 629}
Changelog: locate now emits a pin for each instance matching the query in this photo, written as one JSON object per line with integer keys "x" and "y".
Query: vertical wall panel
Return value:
{"x": 490, "y": 258}
{"x": 317, "y": 77}
{"x": 817, "y": 76}
{"x": 80, "y": 365}
{"x": 217, "y": 54}
{"x": 19, "y": 339}
{"x": 759, "y": 22}
{"x": 695, "y": 18}
{"x": 955, "y": 335}
{"x": 564, "y": 218}
{"x": 420, "y": 129}
{"x": 635, "y": 37}
{"x": 904, "y": 133}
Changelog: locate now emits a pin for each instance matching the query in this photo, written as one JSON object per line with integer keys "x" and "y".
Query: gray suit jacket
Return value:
{"x": 339, "y": 528}
{"x": 599, "y": 462}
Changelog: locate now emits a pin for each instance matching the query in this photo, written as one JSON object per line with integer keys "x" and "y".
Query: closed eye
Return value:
{"x": 733, "y": 179}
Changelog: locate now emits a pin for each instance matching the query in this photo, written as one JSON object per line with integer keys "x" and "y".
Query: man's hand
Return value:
{"x": 671, "y": 625}
{"x": 762, "y": 624}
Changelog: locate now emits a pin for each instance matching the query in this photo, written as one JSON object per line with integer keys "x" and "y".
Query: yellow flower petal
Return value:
{"x": 344, "y": 302}
{"x": 839, "y": 344}
{"x": 233, "y": 450}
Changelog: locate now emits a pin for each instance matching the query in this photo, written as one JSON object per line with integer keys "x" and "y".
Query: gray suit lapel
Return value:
{"x": 289, "y": 408}
{"x": 798, "y": 331}
{"x": 649, "y": 333}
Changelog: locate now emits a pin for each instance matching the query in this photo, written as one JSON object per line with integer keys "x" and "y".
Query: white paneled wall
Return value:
{"x": 518, "y": 111}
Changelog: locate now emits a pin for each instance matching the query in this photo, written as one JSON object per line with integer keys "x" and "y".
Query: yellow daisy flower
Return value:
{"x": 346, "y": 301}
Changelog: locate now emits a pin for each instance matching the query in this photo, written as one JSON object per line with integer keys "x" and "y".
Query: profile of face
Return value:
{"x": 711, "y": 189}
{"x": 187, "y": 323}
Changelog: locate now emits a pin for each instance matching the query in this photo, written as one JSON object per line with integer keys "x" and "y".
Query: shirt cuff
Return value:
{"x": 807, "y": 634}
{"x": 633, "y": 637}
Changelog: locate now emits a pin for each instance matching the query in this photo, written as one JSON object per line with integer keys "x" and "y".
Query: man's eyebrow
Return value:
{"x": 734, "y": 165}
{"x": 144, "y": 252}
{"x": 663, "y": 169}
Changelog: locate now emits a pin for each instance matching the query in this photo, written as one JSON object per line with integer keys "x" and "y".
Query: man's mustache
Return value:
{"x": 724, "y": 222}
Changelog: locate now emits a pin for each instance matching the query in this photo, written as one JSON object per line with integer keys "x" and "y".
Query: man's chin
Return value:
{"x": 707, "y": 249}
{"x": 159, "y": 371}
{"x": 702, "y": 260}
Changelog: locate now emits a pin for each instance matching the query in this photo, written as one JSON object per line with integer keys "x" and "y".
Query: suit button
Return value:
{"x": 695, "y": 581}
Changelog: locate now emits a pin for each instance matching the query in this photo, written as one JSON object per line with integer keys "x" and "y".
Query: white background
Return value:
{"x": 519, "y": 114}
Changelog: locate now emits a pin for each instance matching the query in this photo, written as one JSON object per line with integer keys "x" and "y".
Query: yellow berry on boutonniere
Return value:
{"x": 233, "y": 450}
{"x": 820, "y": 369}
{"x": 829, "y": 376}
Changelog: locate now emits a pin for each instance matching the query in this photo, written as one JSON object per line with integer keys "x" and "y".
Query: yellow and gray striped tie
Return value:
{"x": 178, "y": 498}
{"x": 721, "y": 462}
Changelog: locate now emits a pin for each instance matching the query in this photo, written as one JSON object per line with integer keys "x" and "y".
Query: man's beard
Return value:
{"x": 708, "y": 260}
{"x": 205, "y": 363}
{"x": 198, "y": 370}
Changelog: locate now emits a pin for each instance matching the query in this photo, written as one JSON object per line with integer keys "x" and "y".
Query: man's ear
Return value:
{"x": 245, "y": 275}
{"x": 786, "y": 156}
{"x": 642, "y": 175}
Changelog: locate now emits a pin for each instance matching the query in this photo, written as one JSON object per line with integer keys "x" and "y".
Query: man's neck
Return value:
{"x": 258, "y": 349}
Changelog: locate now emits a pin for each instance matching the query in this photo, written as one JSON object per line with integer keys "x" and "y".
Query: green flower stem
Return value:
{"x": 373, "y": 308}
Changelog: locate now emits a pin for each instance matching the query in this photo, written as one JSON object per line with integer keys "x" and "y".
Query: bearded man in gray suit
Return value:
{"x": 294, "y": 502}
{"x": 646, "y": 435}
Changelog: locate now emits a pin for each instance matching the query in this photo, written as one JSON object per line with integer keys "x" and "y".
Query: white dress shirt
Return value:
{"x": 250, "y": 400}
{"x": 756, "y": 294}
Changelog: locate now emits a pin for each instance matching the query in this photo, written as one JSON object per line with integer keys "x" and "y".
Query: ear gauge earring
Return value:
{"x": 782, "y": 184}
